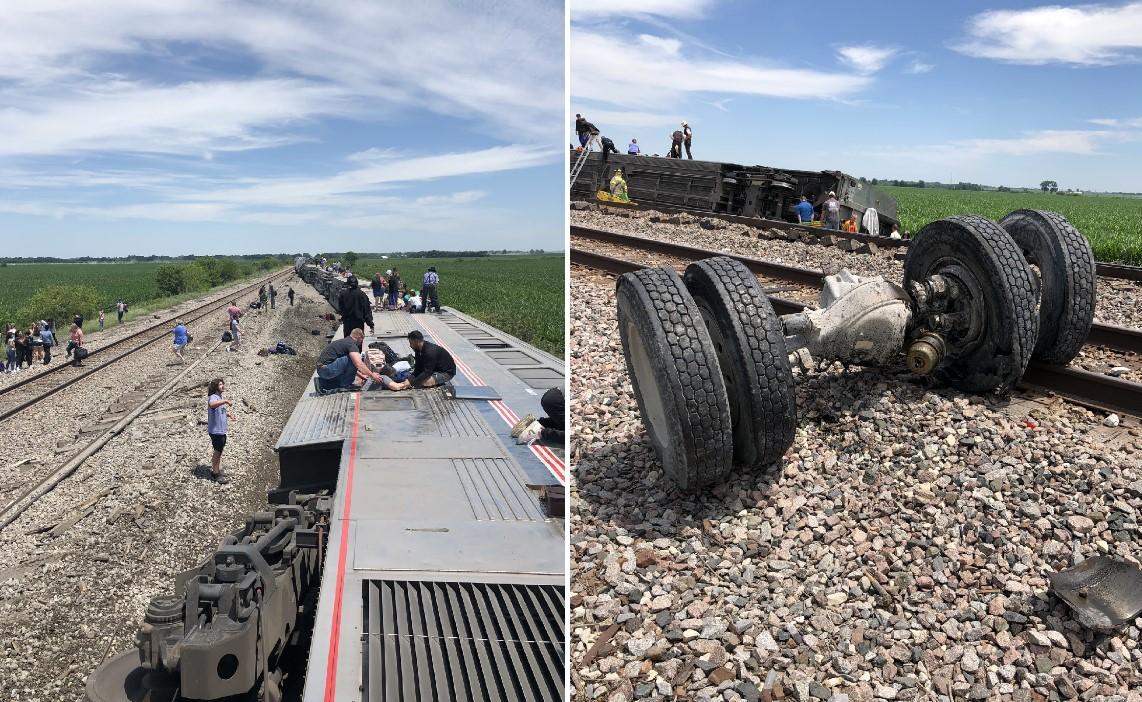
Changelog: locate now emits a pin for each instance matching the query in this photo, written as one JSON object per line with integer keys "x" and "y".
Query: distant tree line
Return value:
{"x": 206, "y": 273}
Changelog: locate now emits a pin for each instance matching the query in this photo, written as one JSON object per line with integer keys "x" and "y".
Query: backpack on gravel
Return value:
{"x": 227, "y": 336}
{"x": 80, "y": 353}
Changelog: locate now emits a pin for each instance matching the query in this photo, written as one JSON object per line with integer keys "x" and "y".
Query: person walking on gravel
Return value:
{"x": 831, "y": 212}
{"x": 289, "y": 294}
{"x": 218, "y": 416}
{"x": 236, "y": 335}
{"x": 120, "y": 310}
{"x": 262, "y": 297}
{"x": 273, "y": 297}
{"x": 10, "y": 349}
{"x": 181, "y": 339}
{"x": 75, "y": 341}
{"x": 101, "y": 319}
{"x": 48, "y": 341}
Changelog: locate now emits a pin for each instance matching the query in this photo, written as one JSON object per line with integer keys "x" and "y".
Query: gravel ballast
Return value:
{"x": 899, "y": 551}
{"x": 71, "y": 600}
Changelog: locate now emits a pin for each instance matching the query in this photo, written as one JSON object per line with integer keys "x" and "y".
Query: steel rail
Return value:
{"x": 1104, "y": 270}
{"x": 210, "y": 307}
{"x": 1109, "y": 336}
{"x": 1081, "y": 387}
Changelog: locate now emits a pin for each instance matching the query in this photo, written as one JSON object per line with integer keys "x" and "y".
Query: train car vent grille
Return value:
{"x": 462, "y": 641}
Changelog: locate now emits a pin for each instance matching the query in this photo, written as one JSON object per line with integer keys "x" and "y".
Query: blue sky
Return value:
{"x": 212, "y": 127}
{"x": 1001, "y": 93}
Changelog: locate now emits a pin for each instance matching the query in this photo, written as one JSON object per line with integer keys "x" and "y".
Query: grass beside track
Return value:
{"x": 132, "y": 282}
{"x": 1113, "y": 224}
{"x": 522, "y": 295}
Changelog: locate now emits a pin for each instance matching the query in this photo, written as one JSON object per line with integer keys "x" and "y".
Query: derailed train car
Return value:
{"x": 730, "y": 188}
{"x": 410, "y": 550}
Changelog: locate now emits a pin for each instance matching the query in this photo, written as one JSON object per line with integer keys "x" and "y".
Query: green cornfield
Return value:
{"x": 133, "y": 282}
{"x": 1113, "y": 224}
{"x": 522, "y": 295}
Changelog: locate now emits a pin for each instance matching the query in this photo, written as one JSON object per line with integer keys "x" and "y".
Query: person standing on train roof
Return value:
{"x": 354, "y": 306}
{"x": 428, "y": 289}
{"x": 804, "y": 210}
{"x": 687, "y": 137}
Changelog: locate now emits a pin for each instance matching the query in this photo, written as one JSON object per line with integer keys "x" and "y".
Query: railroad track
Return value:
{"x": 1082, "y": 387}
{"x": 1104, "y": 270}
{"x": 11, "y": 404}
{"x": 38, "y": 487}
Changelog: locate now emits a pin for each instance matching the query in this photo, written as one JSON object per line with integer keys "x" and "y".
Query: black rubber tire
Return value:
{"x": 1009, "y": 323}
{"x": 750, "y": 344}
{"x": 1067, "y": 274}
{"x": 674, "y": 372}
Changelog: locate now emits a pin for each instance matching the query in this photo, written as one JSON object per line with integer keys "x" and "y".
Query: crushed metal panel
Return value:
{"x": 473, "y": 392}
{"x": 1104, "y": 592}
{"x": 462, "y": 641}
{"x": 318, "y": 420}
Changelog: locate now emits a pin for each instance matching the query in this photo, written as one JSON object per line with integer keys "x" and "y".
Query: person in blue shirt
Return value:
{"x": 632, "y": 148}
{"x": 804, "y": 210}
{"x": 49, "y": 341}
{"x": 181, "y": 339}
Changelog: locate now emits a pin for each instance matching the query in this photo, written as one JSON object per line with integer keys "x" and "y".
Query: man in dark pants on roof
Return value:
{"x": 434, "y": 366}
{"x": 340, "y": 363}
{"x": 353, "y": 304}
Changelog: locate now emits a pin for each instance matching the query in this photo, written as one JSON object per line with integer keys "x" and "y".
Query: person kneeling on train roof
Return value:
{"x": 340, "y": 363}
{"x": 433, "y": 365}
{"x": 353, "y": 303}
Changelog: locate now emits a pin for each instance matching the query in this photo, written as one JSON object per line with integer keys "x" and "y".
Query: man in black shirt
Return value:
{"x": 353, "y": 304}
{"x": 340, "y": 362}
{"x": 434, "y": 366}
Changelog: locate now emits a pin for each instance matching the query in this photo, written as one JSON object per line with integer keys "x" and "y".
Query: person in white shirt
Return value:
{"x": 414, "y": 303}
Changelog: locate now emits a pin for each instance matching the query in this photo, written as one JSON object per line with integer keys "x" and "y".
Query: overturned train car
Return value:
{"x": 729, "y": 188}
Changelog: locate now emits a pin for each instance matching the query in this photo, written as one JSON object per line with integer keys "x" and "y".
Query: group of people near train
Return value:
{"x": 390, "y": 292}
{"x": 36, "y": 343}
{"x": 344, "y": 365}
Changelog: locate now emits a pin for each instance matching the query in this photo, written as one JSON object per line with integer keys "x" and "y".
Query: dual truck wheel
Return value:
{"x": 710, "y": 369}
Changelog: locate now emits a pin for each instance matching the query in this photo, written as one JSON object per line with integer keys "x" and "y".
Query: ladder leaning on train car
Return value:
{"x": 593, "y": 144}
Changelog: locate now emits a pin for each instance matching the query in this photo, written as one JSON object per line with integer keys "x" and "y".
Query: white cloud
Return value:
{"x": 1084, "y": 35}
{"x": 488, "y": 62}
{"x": 866, "y": 58}
{"x": 654, "y": 71}
{"x": 286, "y": 192}
{"x": 919, "y": 67}
{"x": 1049, "y": 141}
{"x": 1127, "y": 123}
{"x": 184, "y": 119}
{"x": 677, "y": 9}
